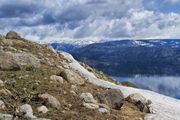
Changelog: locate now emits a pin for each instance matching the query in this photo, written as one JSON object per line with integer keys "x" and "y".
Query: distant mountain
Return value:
{"x": 131, "y": 57}
{"x": 64, "y": 46}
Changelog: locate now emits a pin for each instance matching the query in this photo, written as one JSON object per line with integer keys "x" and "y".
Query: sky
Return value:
{"x": 90, "y": 20}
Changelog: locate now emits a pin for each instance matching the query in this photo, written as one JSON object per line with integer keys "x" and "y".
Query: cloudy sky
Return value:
{"x": 57, "y": 20}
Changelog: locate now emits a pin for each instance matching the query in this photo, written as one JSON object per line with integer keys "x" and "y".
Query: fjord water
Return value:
{"x": 167, "y": 85}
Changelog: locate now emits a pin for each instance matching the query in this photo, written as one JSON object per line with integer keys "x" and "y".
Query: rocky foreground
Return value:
{"x": 39, "y": 83}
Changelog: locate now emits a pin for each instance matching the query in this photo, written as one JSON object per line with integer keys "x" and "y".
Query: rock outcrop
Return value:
{"x": 12, "y": 35}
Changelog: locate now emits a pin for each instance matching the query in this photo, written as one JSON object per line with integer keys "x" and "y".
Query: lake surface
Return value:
{"x": 167, "y": 85}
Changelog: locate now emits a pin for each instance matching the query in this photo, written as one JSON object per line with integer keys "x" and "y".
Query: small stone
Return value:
{"x": 74, "y": 88}
{"x": 104, "y": 111}
{"x": 104, "y": 106}
{"x": 1, "y": 83}
{"x": 2, "y": 104}
{"x": 42, "y": 109}
{"x": 26, "y": 109}
{"x": 52, "y": 101}
{"x": 56, "y": 78}
{"x": 90, "y": 105}
{"x": 6, "y": 116}
{"x": 74, "y": 93}
{"x": 5, "y": 92}
{"x": 88, "y": 98}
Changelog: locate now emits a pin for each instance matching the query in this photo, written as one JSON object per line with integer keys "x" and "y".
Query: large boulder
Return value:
{"x": 50, "y": 100}
{"x": 26, "y": 59}
{"x": 72, "y": 77}
{"x": 113, "y": 98}
{"x": 12, "y": 35}
{"x": 141, "y": 102}
{"x": 7, "y": 62}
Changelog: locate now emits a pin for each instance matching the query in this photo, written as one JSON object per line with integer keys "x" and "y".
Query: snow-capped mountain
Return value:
{"x": 70, "y": 46}
{"x": 131, "y": 57}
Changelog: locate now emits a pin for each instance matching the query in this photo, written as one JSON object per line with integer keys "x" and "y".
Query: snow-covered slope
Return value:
{"x": 162, "y": 107}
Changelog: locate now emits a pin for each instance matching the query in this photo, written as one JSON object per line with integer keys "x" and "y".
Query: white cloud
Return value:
{"x": 44, "y": 20}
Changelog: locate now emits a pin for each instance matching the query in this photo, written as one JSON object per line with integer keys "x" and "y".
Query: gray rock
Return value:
{"x": 114, "y": 98}
{"x": 12, "y": 35}
{"x": 7, "y": 62}
{"x": 52, "y": 101}
{"x": 26, "y": 109}
{"x": 104, "y": 111}
{"x": 88, "y": 98}
{"x": 72, "y": 77}
{"x": 6, "y": 116}
{"x": 56, "y": 78}
{"x": 2, "y": 104}
{"x": 26, "y": 59}
{"x": 141, "y": 102}
{"x": 89, "y": 101}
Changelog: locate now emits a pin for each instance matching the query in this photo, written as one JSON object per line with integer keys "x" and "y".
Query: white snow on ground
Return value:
{"x": 162, "y": 107}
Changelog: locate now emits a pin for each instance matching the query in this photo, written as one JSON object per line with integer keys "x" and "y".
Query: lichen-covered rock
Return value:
{"x": 26, "y": 109}
{"x": 140, "y": 101}
{"x": 7, "y": 62}
{"x": 52, "y": 101}
{"x": 72, "y": 77}
{"x": 12, "y": 35}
